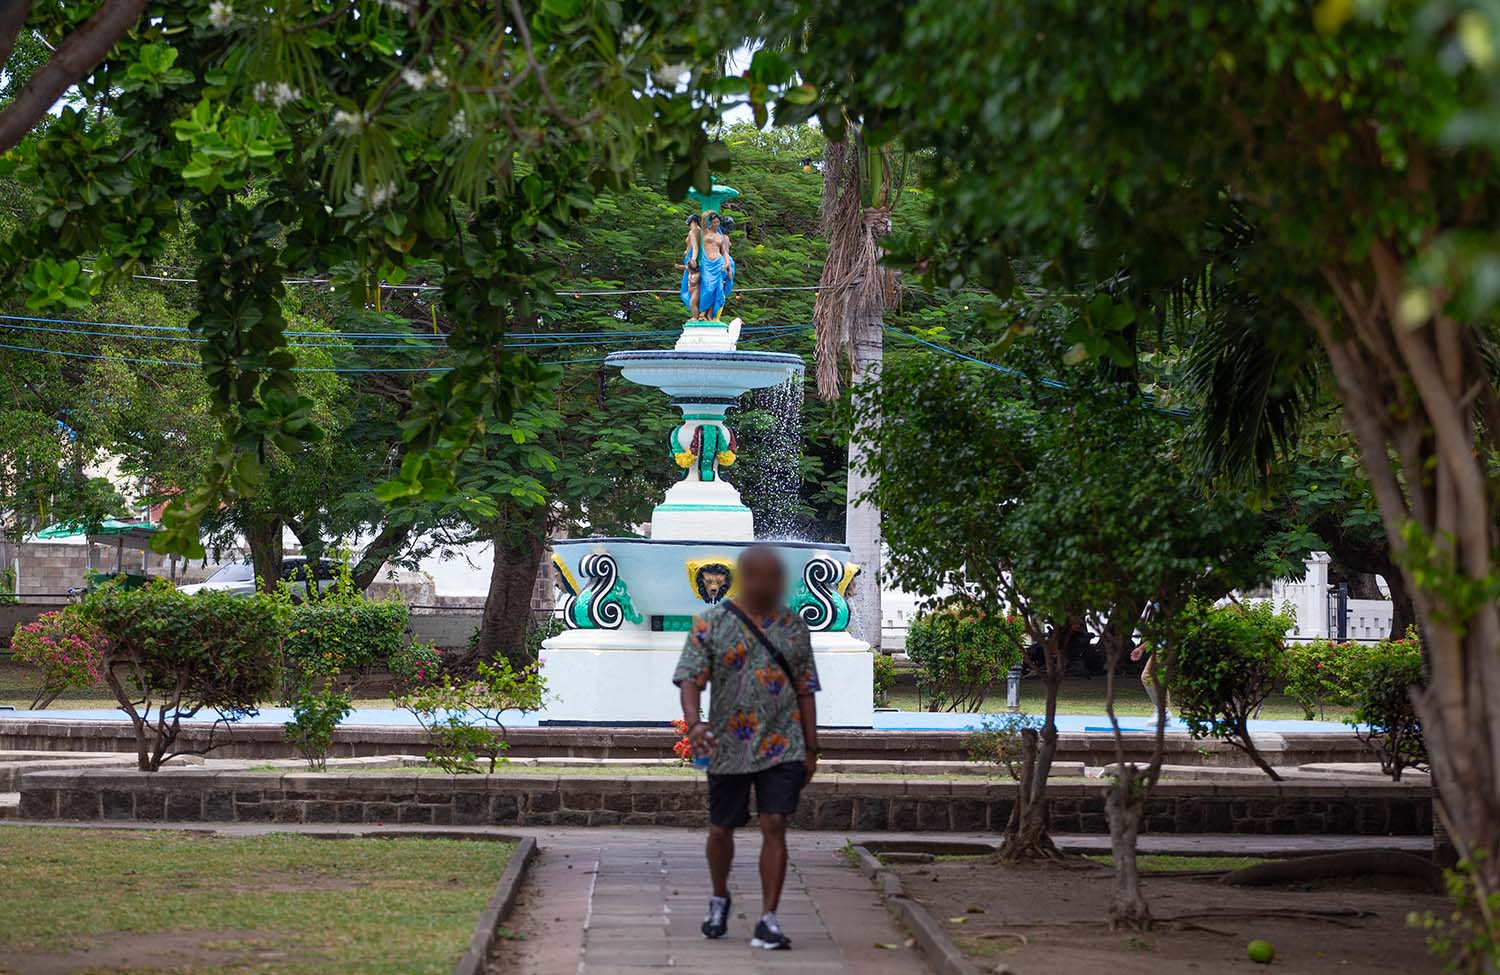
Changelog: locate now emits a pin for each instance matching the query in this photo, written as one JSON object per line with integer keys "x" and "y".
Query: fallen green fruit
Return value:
{"x": 1260, "y": 952}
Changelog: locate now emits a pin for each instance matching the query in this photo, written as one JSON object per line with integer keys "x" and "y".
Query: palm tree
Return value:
{"x": 860, "y": 186}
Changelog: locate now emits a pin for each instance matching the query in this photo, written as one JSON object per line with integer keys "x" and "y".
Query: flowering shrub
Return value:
{"x": 960, "y": 654}
{"x": 349, "y": 637}
{"x": 67, "y": 649}
{"x": 683, "y": 748}
{"x": 1321, "y": 674}
{"x": 415, "y": 664}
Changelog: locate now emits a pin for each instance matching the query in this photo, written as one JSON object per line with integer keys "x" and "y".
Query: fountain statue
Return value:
{"x": 628, "y": 602}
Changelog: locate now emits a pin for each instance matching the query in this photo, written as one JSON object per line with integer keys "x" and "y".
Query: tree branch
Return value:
{"x": 13, "y": 14}
{"x": 78, "y": 54}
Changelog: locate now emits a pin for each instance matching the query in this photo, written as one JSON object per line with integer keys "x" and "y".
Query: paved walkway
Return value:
{"x": 621, "y": 902}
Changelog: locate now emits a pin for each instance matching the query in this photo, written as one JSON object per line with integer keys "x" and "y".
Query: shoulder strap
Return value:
{"x": 760, "y": 635}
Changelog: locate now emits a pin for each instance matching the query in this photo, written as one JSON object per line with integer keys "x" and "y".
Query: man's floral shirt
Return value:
{"x": 752, "y": 708}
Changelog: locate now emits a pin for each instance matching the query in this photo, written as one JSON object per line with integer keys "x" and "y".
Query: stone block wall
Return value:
{"x": 843, "y": 803}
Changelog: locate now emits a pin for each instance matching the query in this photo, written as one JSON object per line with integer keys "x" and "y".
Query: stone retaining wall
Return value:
{"x": 834, "y": 803}
{"x": 267, "y": 741}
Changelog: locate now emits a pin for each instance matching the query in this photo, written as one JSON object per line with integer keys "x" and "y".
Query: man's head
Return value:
{"x": 762, "y": 577}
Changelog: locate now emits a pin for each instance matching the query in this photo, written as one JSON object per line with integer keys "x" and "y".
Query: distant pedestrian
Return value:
{"x": 1151, "y": 678}
{"x": 761, "y": 731}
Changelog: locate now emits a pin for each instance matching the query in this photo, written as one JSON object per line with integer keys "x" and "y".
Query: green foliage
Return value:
{"x": 466, "y": 717}
{"x": 171, "y": 655}
{"x": 415, "y": 663}
{"x": 315, "y": 715}
{"x": 348, "y": 638}
{"x": 8, "y": 587}
{"x": 1382, "y": 684}
{"x": 960, "y": 654}
{"x": 1226, "y": 661}
{"x": 999, "y": 741}
{"x": 1323, "y": 673}
{"x": 885, "y": 678}
{"x": 542, "y": 629}
{"x": 1467, "y": 939}
{"x": 67, "y": 648}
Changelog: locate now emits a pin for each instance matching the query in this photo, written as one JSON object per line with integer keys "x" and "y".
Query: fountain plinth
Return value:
{"x": 628, "y": 602}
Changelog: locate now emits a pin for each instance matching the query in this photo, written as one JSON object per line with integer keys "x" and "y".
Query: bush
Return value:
{"x": 170, "y": 655}
{"x": 999, "y": 741}
{"x": 1321, "y": 674}
{"x": 350, "y": 637}
{"x": 65, "y": 647}
{"x": 314, "y": 718}
{"x": 1226, "y": 661}
{"x": 415, "y": 664}
{"x": 1384, "y": 717}
{"x": 885, "y": 679}
{"x": 959, "y": 655}
{"x": 465, "y": 718}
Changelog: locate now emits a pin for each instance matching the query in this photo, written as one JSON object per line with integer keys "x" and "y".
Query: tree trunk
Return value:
{"x": 1419, "y": 391}
{"x": 862, "y": 517}
{"x": 390, "y": 540}
{"x": 263, "y": 535}
{"x": 507, "y": 606}
{"x": 1027, "y": 834}
{"x": 1124, "y": 805}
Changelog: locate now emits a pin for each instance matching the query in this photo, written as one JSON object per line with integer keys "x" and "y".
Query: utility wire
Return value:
{"x": 1146, "y": 398}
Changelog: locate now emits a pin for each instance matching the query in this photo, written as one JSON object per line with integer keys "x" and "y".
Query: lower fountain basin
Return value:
{"x": 668, "y": 581}
{"x": 689, "y": 375}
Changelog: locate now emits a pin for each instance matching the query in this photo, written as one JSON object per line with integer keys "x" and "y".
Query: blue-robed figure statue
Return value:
{"x": 707, "y": 267}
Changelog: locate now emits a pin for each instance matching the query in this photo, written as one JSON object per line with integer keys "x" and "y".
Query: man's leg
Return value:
{"x": 720, "y": 857}
{"x": 772, "y": 859}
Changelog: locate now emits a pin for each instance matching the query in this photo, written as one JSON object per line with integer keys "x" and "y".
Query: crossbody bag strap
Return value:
{"x": 760, "y": 635}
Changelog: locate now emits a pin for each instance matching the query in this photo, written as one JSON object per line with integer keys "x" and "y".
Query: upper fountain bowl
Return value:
{"x": 705, "y": 375}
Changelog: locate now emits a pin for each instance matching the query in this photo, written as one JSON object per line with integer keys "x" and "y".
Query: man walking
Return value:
{"x": 761, "y": 732}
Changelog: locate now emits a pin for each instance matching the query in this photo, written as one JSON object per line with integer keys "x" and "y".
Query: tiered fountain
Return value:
{"x": 629, "y": 601}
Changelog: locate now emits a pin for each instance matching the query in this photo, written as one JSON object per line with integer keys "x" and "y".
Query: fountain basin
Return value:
{"x": 705, "y": 376}
{"x": 629, "y": 603}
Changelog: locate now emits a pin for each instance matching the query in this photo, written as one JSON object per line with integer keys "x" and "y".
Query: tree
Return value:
{"x": 861, "y": 184}
{"x": 305, "y": 138}
{"x": 1306, "y": 165}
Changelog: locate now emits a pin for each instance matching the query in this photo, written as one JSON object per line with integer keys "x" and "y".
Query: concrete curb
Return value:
{"x": 942, "y": 954}
{"x": 497, "y": 910}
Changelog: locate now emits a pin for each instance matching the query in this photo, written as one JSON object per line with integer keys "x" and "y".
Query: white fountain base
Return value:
{"x": 619, "y": 676}
{"x": 702, "y": 511}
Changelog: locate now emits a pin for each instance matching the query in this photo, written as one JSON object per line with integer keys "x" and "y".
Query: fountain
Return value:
{"x": 629, "y": 601}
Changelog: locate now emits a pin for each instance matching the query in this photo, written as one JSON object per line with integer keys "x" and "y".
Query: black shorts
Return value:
{"x": 776, "y": 791}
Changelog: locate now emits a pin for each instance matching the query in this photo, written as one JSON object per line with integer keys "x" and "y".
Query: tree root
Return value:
{"x": 1358, "y": 863}
{"x": 1340, "y": 916}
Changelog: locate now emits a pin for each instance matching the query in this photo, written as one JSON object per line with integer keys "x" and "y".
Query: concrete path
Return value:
{"x": 622, "y": 902}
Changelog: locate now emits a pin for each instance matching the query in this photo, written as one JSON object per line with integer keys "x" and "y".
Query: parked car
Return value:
{"x": 238, "y": 578}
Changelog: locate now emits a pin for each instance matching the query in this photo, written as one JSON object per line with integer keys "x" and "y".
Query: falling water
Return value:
{"x": 772, "y": 442}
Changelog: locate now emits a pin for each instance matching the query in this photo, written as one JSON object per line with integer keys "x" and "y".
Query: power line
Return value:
{"x": 1146, "y": 398}
{"x": 351, "y": 370}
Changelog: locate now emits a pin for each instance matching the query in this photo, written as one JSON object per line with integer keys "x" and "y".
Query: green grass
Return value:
{"x": 297, "y": 904}
{"x": 1082, "y": 695}
{"x": 1171, "y": 863}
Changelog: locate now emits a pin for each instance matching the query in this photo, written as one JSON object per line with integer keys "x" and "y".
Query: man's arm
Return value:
{"x": 807, "y": 706}
{"x": 692, "y": 714}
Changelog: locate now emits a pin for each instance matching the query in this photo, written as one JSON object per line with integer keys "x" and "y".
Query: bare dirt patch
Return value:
{"x": 1046, "y": 919}
{"x": 176, "y": 951}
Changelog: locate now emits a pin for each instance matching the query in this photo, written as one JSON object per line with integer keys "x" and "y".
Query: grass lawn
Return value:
{"x": 169, "y": 901}
{"x": 1078, "y": 695}
{"x": 1170, "y": 863}
{"x": 1084, "y": 695}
